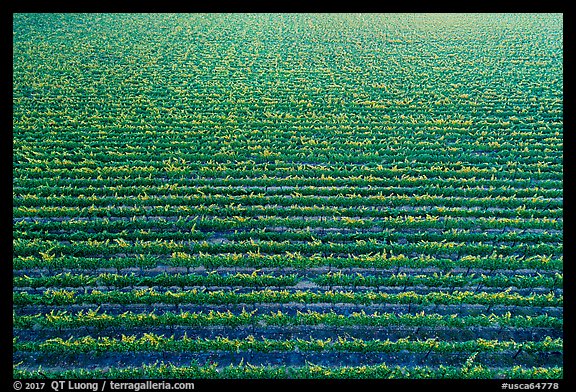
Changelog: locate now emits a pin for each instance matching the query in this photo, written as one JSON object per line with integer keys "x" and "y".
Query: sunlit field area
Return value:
{"x": 287, "y": 196}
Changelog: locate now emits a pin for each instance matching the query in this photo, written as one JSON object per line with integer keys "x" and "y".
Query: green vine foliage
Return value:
{"x": 316, "y": 187}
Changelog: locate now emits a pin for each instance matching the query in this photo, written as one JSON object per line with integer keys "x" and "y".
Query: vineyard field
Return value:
{"x": 288, "y": 196}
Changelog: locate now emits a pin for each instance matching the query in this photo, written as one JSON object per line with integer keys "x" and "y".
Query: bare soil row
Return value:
{"x": 311, "y": 272}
